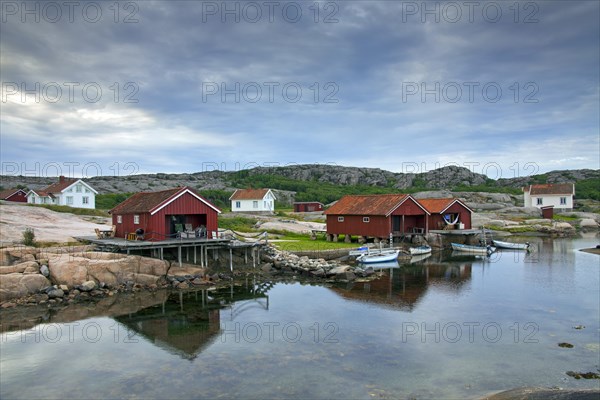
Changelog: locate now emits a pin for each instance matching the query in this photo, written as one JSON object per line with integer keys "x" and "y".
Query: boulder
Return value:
{"x": 338, "y": 270}
{"x": 19, "y": 285}
{"x": 588, "y": 223}
{"x": 56, "y": 293}
{"x": 45, "y": 271}
{"x": 19, "y": 268}
{"x": 87, "y": 286}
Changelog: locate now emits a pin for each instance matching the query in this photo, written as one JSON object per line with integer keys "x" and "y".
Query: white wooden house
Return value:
{"x": 253, "y": 200}
{"x": 559, "y": 195}
{"x": 65, "y": 192}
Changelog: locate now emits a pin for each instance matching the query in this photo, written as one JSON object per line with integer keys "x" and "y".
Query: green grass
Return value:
{"x": 513, "y": 229}
{"x": 238, "y": 223}
{"x": 299, "y": 242}
{"x": 560, "y": 217}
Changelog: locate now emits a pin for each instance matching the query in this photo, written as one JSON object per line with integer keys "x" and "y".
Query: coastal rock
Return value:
{"x": 18, "y": 285}
{"x": 19, "y": 268}
{"x": 87, "y": 286}
{"x": 588, "y": 223}
{"x": 45, "y": 271}
{"x": 56, "y": 293}
{"x": 338, "y": 270}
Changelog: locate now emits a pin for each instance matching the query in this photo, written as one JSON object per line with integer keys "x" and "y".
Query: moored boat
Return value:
{"x": 465, "y": 248}
{"x": 382, "y": 256}
{"x": 419, "y": 250}
{"x": 509, "y": 245}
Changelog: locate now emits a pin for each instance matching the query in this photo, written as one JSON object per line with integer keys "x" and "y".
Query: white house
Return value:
{"x": 253, "y": 200}
{"x": 65, "y": 192}
{"x": 559, "y": 195}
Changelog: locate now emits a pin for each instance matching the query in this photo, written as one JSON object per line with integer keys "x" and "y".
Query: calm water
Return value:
{"x": 444, "y": 327}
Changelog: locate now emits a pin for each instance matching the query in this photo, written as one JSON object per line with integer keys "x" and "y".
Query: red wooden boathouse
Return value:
{"x": 16, "y": 195}
{"x": 376, "y": 216}
{"x": 447, "y": 213}
{"x": 308, "y": 206}
{"x": 159, "y": 214}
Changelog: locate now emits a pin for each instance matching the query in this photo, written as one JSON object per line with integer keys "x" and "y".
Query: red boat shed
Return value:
{"x": 376, "y": 216}
{"x": 447, "y": 213}
{"x": 17, "y": 195}
{"x": 308, "y": 206}
{"x": 159, "y": 213}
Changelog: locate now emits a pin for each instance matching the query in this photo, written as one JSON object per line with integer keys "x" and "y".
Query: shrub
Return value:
{"x": 29, "y": 237}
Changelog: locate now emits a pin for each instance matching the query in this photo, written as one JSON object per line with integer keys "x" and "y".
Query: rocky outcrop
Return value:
{"x": 16, "y": 285}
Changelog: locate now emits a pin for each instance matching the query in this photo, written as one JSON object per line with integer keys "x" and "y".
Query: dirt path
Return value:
{"x": 49, "y": 226}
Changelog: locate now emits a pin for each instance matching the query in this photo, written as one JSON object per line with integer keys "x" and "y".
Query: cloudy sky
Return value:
{"x": 103, "y": 88}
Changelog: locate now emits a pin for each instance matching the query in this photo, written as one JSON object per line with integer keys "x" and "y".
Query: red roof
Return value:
{"x": 379, "y": 204}
{"x": 550, "y": 188}
{"x": 150, "y": 202}
{"x": 249, "y": 194}
{"x": 437, "y": 205}
{"x": 57, "y": 187}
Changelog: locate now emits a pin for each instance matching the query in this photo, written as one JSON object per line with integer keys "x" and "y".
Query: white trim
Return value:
{"x": 79, "y": 181}
{"x": 451, "y": 204}
{"x": 181, "y": 194}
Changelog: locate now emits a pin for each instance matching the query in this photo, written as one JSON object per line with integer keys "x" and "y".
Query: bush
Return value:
{"x": 29, "y": 237}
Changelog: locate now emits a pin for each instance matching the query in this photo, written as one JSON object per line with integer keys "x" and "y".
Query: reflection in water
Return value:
{"x": 403, "y": 287}
{"x": 186, "y": 323}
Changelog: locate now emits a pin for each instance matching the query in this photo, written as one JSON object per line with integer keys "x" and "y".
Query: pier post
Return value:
{"x": 179, "y": 255}
{"x": 231, "y": 259}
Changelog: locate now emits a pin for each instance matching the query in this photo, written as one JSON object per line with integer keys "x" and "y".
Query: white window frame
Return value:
{"x": 238, "y": 204}
{"x": 119, "y": 219}
{"x": 539, "y": 201}
{"x": 136, "y": 219}
{"x": 563, "y": 201}
{"x": 340, "y": 219}
{"x": 78, "y": 188}
{"x": 69, "y": 200}
{"x": 255, "y": 204}
{"x": 85, "y": 200}
{"x": 366, "y": 220}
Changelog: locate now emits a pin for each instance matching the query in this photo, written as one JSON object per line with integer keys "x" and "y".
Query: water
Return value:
{"x": 445, "y": 327}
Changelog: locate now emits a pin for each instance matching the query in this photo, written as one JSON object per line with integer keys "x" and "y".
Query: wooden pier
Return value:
{"x": 196, "y": 249}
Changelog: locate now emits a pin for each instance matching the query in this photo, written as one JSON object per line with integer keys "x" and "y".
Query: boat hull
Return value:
{"x": 419, "y": 250}
{"x": 511, "y": 246}
{"x": 465, "y": 248}
{"x": 378, "y": 258}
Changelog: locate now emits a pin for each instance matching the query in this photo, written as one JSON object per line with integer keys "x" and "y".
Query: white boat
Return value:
{"x": 510, "y": 245}
{"x": 381, "y": 256}
{"x": 419, "y": 257}
{"x": 465, "y": 248}
{"x": 419, "y": 250}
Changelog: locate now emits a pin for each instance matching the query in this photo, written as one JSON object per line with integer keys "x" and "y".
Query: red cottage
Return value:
{"x": 17, "y": 195}
{"x": 162, "y": 214}
{"x": 447, "y": 213}
{"x": 376, "y": 216}
{"x": 308, "y": 206}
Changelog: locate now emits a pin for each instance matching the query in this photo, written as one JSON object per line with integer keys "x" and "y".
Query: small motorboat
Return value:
{"x": 419, "y": 250}
{"x": 509, "y": 245}
{"x": 380, "y": 256}
{"x": 465, "y": 248}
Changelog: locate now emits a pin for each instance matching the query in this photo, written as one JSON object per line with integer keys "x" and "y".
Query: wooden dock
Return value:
{"x": 194, "y": 248}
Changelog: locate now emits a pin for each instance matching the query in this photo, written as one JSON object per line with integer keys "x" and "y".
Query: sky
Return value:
{"x": 504, "y": 88}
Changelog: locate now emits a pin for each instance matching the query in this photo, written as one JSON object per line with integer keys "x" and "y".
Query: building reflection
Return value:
{"x": 188, "y": 322}
{"x": 403, "y": 286}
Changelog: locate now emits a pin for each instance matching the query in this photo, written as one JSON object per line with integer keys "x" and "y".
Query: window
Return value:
{"x": 366, "y": 219}
{"x": 136, "y": 219}
{"x": 265, "y": 204}
{"x": 340, "y": 219}
{"x": 78, "y": 188}
{"x": 238, "y": 204}
{"x": 32, "y": 200}
{"x": 87, "y": 190}
{"x": 85, "y": 200}
{"x": 539, "y": 201}
{"x": 563, "y": 201}
{"x": 70, "y": 190}
{"x": 69, "y": 200}
{"x": 255, "y": 204}
{"x": 119, "y": 219}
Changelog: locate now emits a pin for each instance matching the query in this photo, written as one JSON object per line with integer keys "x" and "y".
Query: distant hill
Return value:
{"x": 325, "y": 183}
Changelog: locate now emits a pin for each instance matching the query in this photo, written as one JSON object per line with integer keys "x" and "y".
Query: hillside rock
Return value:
{"x": 18, "y": 285}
